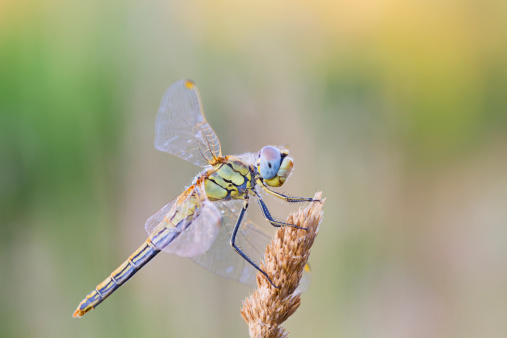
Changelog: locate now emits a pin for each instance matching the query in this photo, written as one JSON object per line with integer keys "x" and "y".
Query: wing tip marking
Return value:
{"x": 189, "y": 84}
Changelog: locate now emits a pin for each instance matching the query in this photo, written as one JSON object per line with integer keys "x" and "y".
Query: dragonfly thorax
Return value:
{"x": 229, "y": 179}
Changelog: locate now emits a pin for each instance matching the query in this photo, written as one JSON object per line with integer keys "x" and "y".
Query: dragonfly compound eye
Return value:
{"x": 269, "y": 162}
{"x": 283, "y": 173}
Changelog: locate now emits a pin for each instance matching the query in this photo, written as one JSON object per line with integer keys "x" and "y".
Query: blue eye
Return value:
{"x": 269, "y": 162}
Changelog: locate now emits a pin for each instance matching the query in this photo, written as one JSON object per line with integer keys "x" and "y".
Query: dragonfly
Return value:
{"x": 208, "y": 218}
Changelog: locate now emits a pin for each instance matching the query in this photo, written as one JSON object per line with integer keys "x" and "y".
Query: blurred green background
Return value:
{"x": 397, "y": 110}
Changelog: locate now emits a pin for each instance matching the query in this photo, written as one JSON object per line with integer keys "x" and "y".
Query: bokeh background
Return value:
{"x": 396, "y": 109}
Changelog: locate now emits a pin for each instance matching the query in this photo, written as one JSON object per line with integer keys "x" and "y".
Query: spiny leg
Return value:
{"x": 289, "y": 199}
{"x": 238, "y": 250}
{"x": 270, "y": 218}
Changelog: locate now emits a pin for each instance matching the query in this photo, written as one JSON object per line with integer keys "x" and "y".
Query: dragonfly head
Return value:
{"x": 274, "y": 165}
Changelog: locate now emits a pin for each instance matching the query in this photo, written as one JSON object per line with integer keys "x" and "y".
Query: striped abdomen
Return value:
{"x": 118, "y": 277}
{"x": 173, "y": 221}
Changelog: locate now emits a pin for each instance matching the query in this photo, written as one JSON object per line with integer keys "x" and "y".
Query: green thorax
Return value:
{"x": 231, "y": 178}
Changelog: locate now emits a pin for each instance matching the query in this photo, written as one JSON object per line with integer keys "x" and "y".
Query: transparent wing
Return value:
{"x": 186, "y": 226}
{"x": 181, "y": 128}
{"x": 306, "y": 279}
{"x": 199, "y": 235}
{"x": 251, "y": 239}
{"x": 159, "y": 217}
{"x": 192, "y": 226}
{"x": 249, "y": 158}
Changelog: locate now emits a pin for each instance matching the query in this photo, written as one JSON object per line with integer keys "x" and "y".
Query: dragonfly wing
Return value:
{"x": 306, "y": 279}
{"x": 250, "y": 158}
{"x": 181, "y": 128}
{"x": 186, "y": 226}
{"x": 192, "y": 226}
{"x": 153, "y": 222}
{"x": 199, "y": 235}
{"x": 251, "y": 239}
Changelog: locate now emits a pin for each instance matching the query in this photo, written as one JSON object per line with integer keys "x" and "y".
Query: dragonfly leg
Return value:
{"x": 238, "y": 250}
{"x": 289, "y": 199}
{"x": 270, "y": 218}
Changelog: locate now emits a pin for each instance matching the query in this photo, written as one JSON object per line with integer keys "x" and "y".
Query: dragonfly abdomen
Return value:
{"x": 118, "y": 277}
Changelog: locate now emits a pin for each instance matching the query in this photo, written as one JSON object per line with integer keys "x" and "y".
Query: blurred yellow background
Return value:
{"x": 397, "y": 110}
